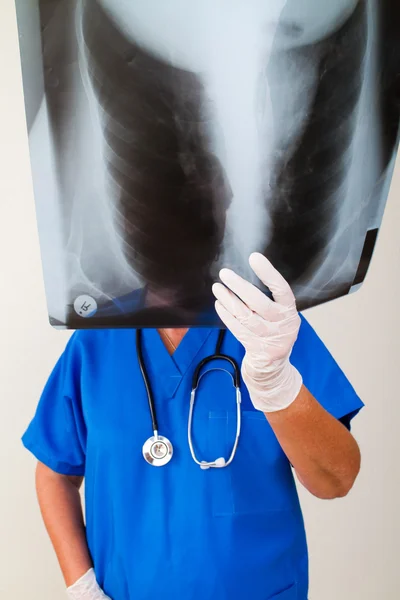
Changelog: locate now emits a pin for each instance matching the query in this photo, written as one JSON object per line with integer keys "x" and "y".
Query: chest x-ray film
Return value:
{"x": 169, "y": 138}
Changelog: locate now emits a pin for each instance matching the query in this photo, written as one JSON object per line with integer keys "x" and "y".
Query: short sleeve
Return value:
{"x": 56, "y": 435}
{"x": 323, "y": 377}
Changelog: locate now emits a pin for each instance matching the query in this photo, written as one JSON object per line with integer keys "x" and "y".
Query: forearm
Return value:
{"x": 61, "y": 508}
{"x": 323, "y": 452}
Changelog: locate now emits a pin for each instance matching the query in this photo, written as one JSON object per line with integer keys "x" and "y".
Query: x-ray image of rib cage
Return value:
{"x": 169, "y": 139}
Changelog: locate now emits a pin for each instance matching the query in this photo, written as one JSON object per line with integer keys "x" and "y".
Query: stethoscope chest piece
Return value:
{"x": 157, "y": 450}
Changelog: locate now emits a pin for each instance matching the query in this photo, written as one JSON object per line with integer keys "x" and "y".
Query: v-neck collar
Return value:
{"x": 171, "y": 369}
{"x": 189, "y": 347}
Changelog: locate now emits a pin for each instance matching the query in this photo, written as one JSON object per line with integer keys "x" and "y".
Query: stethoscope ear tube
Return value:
{"x": 146, "y": 380}
{"x": 208, "y": 359}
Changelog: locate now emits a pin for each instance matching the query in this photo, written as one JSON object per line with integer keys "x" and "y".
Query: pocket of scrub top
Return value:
{"x": 259, "y": 479}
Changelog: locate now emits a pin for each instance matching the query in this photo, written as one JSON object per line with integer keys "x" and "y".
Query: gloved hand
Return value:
{"x": 267, "y": 330}
{"x": 86, "y": 588}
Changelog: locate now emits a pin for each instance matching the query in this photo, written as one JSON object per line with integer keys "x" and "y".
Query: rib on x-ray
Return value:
{"x": 169, "y": 139}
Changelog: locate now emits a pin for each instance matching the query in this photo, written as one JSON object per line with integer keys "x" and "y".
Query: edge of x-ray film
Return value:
{"x": 260, "y": 103}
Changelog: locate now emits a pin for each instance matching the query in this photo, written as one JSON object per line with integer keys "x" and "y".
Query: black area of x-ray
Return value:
{"x": 161, "y": 169}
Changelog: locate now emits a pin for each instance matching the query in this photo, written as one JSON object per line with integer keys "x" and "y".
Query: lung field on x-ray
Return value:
{"x": 170, "y": 187}
{"x": 310, "y": 185}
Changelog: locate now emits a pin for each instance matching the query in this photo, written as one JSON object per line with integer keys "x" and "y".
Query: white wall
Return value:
{"x": 353, "y": 542}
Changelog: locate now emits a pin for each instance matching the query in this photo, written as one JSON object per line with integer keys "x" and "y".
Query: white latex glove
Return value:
{"x": 86, "y": 588}
{"x": 267, "y": 330}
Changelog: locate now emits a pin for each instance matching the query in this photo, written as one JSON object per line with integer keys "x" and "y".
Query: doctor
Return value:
{"x": 180, "y": 531}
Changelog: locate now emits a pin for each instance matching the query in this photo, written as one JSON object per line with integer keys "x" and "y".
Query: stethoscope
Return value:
{"x": 158, "y": 450}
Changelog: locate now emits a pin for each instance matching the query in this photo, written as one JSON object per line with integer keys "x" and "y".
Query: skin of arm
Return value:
{"x": 324, "y": 454}
{"x": 61, "y": 508}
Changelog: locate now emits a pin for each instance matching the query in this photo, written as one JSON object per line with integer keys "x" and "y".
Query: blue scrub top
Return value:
{"x": 177, "y": 531}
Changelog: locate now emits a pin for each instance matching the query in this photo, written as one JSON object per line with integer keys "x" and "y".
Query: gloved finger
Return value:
{"x": 232, "y": 303}
{"x": 250, "y": 295}
{"x": 237, "y": 329}
{"x": 256, "y": 326}
{"x": 266, "y": 272}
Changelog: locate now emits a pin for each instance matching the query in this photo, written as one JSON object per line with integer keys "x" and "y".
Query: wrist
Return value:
{"x": 274, "y": 387}
{"x": 86, "y": 588}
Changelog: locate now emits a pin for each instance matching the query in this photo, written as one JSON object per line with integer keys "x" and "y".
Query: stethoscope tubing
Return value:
{"x": 197, "y": 375}
{"x": 146, "y": 380}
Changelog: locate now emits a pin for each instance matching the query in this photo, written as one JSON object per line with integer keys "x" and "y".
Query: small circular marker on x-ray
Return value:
{"x": 85, "y": 306}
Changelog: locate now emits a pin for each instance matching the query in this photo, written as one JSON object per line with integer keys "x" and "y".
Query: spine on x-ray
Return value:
{"x": 167, "y": 184}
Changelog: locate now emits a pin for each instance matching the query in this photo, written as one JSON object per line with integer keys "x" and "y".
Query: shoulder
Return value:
{"x": 309, "y": 352}
{"x": 93, "y": 356}
{"x": 322, "y": 375}
{"x": 307, "y": 333}
{"x": 87, "y": 345}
